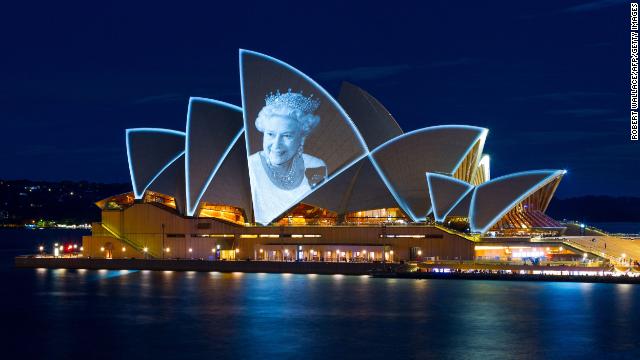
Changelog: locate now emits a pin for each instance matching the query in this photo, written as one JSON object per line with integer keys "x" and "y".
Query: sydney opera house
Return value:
{"x": 295, "y": 174}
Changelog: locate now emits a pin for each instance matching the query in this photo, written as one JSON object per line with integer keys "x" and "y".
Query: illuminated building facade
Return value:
{"x": 294, "y": 174}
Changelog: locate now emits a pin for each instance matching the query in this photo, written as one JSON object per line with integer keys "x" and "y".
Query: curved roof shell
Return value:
{"x": 149, "y": 152}
{"x": 210, "y": 162}
{"x": 213, "y": 127}
{"x": 335, "y": 140}
{"x": 493, "y": 199}
{"x": 403, "y": 162}
{"x": 171, "y": 182}
{"x": 374, "y": 121}
{"x": 461, "y": 208}
{"x": 230, "y": 185}
{"x": 358, "y": 188}
{"x": 445, "y": 192}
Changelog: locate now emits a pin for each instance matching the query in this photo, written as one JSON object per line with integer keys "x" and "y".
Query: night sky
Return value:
{"x": 549, "y": 80}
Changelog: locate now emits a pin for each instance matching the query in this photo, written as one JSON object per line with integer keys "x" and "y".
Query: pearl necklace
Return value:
{"x": 288, "y": 179}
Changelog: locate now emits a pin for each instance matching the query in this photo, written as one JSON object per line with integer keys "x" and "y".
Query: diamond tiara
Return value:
{"x": 292, "y": 100}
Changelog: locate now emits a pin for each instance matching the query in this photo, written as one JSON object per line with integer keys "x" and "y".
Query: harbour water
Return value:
{"x": 141, "y": 314}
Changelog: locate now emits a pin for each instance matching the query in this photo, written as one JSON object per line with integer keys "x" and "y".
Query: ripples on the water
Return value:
{"x": 126, "y": 314}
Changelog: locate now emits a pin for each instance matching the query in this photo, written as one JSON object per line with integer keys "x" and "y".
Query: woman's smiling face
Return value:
{"x": 282, "y": 139}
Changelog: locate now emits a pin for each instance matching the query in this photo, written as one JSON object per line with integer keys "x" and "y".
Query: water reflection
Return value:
{"x": 285, "y": 314}
{"x": 205, "y": 314}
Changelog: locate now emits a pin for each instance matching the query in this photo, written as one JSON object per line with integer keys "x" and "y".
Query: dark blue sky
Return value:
{"x": 550, "y": 79}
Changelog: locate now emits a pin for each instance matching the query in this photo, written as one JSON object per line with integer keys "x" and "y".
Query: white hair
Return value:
{"x": 307, "y": 121}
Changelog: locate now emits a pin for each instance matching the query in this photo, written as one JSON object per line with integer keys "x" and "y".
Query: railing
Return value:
{"x": 591, "y": 250}
{"x": 480, "y": 261}
{"x": 474, "y": 238}
{"x": 504, "y": 264}
{"x": 133, "y": 244}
